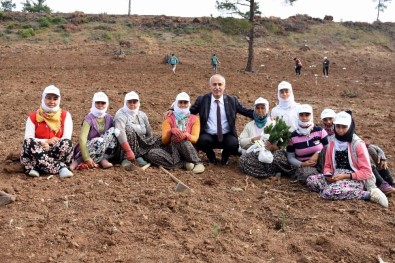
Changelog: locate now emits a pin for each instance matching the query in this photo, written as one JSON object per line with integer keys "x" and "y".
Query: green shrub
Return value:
{"x": 58, "y": 20}
{"x": 271, "y": 27}
{"x": 26, "y": 32}
{"x": 11, "y": 25}
{"x": 129, "y": 24}
{"x": 1, "y": 14}
{"x": 234, "y": 26}
{"x": 106, "y": 36}
{"x": 45, "y": 21}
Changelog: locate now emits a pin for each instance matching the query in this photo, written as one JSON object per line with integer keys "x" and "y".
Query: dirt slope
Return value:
{"x": 120, "y": 216}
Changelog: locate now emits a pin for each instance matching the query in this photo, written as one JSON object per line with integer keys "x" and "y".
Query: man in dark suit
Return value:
{"x": 217, "y": 112}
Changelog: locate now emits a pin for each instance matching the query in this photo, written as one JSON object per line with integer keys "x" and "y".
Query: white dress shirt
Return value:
{"x": 211, "y": 127}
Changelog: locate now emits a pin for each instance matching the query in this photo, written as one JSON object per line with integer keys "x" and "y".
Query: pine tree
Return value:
{"x": 279, "y": 133}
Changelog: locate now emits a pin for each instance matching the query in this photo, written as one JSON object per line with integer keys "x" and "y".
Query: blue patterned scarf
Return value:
{"x": 260, "y": 121}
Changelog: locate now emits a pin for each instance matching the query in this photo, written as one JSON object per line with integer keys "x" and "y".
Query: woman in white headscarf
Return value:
{"x": 135, "y": 137}
{"x": 47, "y": 147}
{"x": 287, "y": 108}
{"x": 347, "y": 171}
{"x": 180, "y": 131}
{"x": 98, "y": 136}
{"x": 253, "y": 132}
{"x": 306, "y": 144}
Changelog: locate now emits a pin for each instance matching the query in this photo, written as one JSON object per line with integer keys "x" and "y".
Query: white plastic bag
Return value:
{"x": 265, "y": 156}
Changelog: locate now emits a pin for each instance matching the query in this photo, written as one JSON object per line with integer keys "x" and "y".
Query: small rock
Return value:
{"x": 236, "y": 189}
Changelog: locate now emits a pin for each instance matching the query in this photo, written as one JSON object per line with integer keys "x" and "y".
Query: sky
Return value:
{"x": 341, "y": 10}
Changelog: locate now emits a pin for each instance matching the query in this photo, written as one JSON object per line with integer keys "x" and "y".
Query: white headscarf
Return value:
{"x": 305, "y": 127}
{"x": 285, "y": 104}
{"x": 131, "y": 96}
{"x": 50, "y": 90}
{"x": 184, "y": 97}
{"x": 102, "y": 97}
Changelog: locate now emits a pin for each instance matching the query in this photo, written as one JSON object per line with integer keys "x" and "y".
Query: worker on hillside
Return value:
{"x": 173, "y": 61}
{"x": 214, "y": 63}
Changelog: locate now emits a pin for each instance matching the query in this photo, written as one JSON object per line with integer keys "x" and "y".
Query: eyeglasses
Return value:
{"x": 133, "y": 101}
{"x": 183, "y": 102}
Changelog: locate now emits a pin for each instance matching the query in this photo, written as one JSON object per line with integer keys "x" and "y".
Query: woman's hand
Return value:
{"x": 337, "y": 177}
{"x": 91, "y": 164}
{"x": 384, "y": 164}
{"x": 45, "y": 145}
{"x": 167, "y": 114}
{"x": 271, "y": 147}
{"x": 308, "y": 163}
{"x": 53, "y": 140}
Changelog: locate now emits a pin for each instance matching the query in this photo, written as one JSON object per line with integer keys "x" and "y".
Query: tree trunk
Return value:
{"x": 250, "y": 59}
{"x": 130, "y": 4}
{"x": 378, "y": 10}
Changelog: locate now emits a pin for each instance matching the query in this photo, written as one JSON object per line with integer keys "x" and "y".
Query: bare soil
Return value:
{"x": 119, "y": 216}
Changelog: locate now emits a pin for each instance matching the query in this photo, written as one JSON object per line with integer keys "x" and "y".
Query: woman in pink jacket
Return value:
{"x": 347, "y": 167}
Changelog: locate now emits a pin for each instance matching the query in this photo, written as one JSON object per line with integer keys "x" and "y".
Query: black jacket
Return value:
{"x": 232, "y": 107}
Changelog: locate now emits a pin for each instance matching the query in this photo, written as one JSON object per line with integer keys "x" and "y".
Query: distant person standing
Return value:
{"x": 214, "y": 63}
{"x": 298, "y": 66}
{"x": 173, "y": 61}
{"x": 325, "y": 66}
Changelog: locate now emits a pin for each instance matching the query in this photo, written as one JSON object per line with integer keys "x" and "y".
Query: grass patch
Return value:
{"x": 234, "y": 26}
{"x": 350, "y": 93}
{"x": 44, "y": 22}
{"x": 26, "y": 33}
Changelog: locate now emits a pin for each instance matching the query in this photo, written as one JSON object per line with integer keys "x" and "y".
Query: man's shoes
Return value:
{"x": 387, "y": 189}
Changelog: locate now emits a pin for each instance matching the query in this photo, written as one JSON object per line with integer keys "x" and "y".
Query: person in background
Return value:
{"x": 305, "y": 145}
{"x": 135, "y": 137}
{"x": 298, "y": 66}
{"x": 347, "y": 167}
{"x": 98, "y": 137}
{"x": 47, "y": 147}
{"x": 287, "y": 108}
{"x": 180, "y": 131}
{"x": 173, "y": 61}
{"x": 217, "y": 112}
{"x": 325, "y": 67}
{"x": 214, "y": 63}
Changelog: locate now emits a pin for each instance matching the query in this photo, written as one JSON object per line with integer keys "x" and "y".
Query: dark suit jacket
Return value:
{"x": 232, "y": 107}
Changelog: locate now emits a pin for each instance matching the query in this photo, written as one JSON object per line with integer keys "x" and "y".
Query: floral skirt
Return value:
{"x": 250, "y": 165}
{"x": 174, "y": 155}
{"x": 100, "y": 148}
{"x": 340, "y": 190}
{"x": 34, "y": 156}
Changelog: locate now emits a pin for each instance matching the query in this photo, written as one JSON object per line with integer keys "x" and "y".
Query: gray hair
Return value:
{"x": 217, "y": 75}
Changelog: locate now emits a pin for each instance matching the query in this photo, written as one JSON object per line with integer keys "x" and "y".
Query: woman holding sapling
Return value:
{"x": 261, "y": 141}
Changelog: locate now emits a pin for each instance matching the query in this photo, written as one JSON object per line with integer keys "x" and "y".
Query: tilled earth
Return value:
{"x": 119, "y": 216}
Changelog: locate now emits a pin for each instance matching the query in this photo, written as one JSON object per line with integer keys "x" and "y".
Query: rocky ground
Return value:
{"x": 119, "y": 216}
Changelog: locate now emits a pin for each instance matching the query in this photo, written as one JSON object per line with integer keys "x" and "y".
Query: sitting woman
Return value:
{"x": 47, "y": 147}
{"x": 135, "y": 138}
{"x": 98, "y": 137}
{"x": 378, "y": 159}
{"x": 306, "y": 144}
{"x": 253, "y": 131}
{"x": 347, "y": 167}
{"x": 180, "y": 131}
{"x": 287, "y": 108}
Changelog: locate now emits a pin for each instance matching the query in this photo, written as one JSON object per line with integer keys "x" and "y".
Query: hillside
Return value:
{"x": 121, "y": 216}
